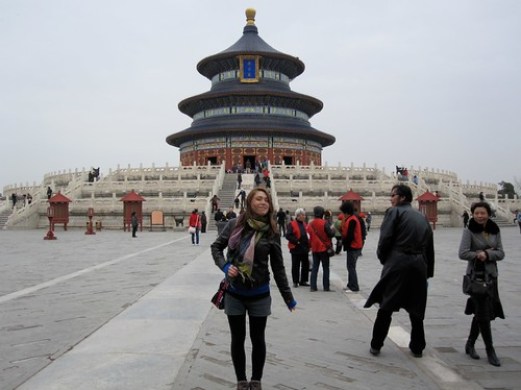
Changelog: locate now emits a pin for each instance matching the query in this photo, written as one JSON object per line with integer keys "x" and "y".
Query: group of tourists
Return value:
{"x": 24, "y": 199}
{"x": 250, "y": 245}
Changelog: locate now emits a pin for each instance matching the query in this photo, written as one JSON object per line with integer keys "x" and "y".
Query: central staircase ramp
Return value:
{"x": 228, "y": 193}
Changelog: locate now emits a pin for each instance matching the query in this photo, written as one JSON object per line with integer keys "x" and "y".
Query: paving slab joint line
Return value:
{"x": 431, "y": 364}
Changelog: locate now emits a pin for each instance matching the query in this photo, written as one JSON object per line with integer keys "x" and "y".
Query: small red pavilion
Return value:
{"x": 354, "y": 198}
{"x": 428, "y": 206}
{"x": 60, "y": 205}
{"x": 132, "y": 202}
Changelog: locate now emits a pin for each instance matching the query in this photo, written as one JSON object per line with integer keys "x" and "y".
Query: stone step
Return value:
{"x": 227, "y": 196}
{"x": 4, "y": 216}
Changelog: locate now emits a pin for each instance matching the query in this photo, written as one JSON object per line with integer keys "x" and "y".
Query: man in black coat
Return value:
{"x": 406, "y": 250}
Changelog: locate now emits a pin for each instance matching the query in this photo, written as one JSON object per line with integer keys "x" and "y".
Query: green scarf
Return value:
{"x": 246, "y": 244}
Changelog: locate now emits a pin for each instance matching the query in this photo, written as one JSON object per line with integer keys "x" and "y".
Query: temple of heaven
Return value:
{"x": 250, "y": 113}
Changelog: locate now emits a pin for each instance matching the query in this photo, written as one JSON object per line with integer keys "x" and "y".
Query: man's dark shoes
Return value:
{"x": 471, "y": 351}
{"x": 374, "y": 351}
{"x": 417, "y": 354}
{"x": 295, "y": 284}
{"x": 304, "y": 284}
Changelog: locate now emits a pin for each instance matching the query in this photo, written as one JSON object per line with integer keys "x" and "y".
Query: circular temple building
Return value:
{"x": 250, "y": 113}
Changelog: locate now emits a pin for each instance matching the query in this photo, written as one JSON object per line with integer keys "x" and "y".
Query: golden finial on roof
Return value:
{"x": 250, "y": 16}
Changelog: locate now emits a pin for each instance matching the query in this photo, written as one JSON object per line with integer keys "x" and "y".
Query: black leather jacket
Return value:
{"x": 266, "y": 248}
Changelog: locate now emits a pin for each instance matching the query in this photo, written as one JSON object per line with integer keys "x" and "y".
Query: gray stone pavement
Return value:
{"x": 112, "y": 312}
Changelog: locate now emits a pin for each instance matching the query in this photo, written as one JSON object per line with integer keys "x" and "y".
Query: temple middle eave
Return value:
{"x": 209, "y": 100}
{"x": 243, "y": 125}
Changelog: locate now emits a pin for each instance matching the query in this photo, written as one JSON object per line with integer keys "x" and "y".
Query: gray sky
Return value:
{"x": 422, "y": 83}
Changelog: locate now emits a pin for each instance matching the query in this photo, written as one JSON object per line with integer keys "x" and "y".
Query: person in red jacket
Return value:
{"x": 353, "y": 242}
{"x": 195, "y": 222}
{"x": 320, "y": 234}
{"x": 298, "y": 245}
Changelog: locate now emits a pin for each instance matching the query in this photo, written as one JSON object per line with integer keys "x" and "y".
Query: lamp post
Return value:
{"x": 90, "y": 214}
{"x": 50, "y": 234}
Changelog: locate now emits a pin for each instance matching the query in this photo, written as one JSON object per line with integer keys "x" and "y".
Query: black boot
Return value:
{"x": 473, "y": 335}
{"x": 486, "y": 333}
{"x": 492, "y": 358}
{"x": 470, "y": 350}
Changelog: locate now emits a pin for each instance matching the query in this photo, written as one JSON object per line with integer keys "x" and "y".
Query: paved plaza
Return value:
{"x": 111, "y": 312}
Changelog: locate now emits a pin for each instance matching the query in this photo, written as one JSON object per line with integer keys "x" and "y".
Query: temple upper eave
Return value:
{"x": 212, "y": 65}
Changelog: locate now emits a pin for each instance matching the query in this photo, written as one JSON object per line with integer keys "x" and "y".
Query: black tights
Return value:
{"x": 258, "y": 342}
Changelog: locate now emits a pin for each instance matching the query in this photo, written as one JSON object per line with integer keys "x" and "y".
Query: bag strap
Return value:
{"x": 475, "y": 272}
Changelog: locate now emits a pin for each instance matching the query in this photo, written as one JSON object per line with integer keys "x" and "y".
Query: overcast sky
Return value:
{"x": 414, "y": 83}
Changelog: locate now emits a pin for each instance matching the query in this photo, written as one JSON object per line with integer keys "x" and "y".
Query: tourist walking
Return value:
{"x": 257, "y": 179}
{"x": 204, "y": 222}
{"x": 281, "y": 221}
{"x": 298, "y": 245}
{"x": 134, "y": 222}
{"x": 466, "y": 218}
{"x": 231, "y": 214}
{"x": 406, "y": 251}
{"x": 481, "y": 247}
{"x": 353, "y": 242}
{"x": 242, "y": 196}
{"x": 368, "y": 220}
{"x": 215, "y": 202}
{"x": 320, "y": 234}
{"x": 194, "y": 226}
{"x": 253, "y": 244}
{"x": 239, "y": 180}
{"x": 49, "y": 192}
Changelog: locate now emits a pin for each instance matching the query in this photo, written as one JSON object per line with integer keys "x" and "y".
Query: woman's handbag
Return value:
{"x": 476, "y": 284}
{"x": 218, "y": 297}
{"x": 191, "y": 229}
{"x": 330, "y": 251}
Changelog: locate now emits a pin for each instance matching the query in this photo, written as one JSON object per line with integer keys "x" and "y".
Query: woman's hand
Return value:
{"x": 291, "y": 305}
{"x": 482, "y": 256}
{"x": 233, "y": 271}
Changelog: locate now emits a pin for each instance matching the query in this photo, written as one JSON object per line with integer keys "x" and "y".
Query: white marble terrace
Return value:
{"x": 177, "y": 190}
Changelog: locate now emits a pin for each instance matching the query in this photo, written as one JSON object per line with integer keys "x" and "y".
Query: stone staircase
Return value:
{"x": 4, "y": 215}
{"x": 503, "y": 222}
{"x": 227, "y": 196}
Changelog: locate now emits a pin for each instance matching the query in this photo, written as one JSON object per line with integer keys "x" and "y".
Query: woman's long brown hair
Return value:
{"x": 248, "y": 213}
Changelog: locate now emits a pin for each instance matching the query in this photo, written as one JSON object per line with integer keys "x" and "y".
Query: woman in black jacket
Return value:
{"x": 481, "y": 247}
{"x": 253, "y": 241}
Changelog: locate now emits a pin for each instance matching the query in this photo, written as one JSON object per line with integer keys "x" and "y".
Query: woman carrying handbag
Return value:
{"x": 481, "y": 247}
{"x": 194, "y": 226}
{"x": 252, "y": 244}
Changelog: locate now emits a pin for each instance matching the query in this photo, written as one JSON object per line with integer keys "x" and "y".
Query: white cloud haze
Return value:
{"x": 417, "y": 83}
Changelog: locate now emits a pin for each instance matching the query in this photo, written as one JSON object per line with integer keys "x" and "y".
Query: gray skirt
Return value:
{"x": 235, "y": 306}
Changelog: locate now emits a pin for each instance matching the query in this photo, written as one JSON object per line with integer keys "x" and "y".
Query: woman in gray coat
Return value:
{"x": 481, "y": 247}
